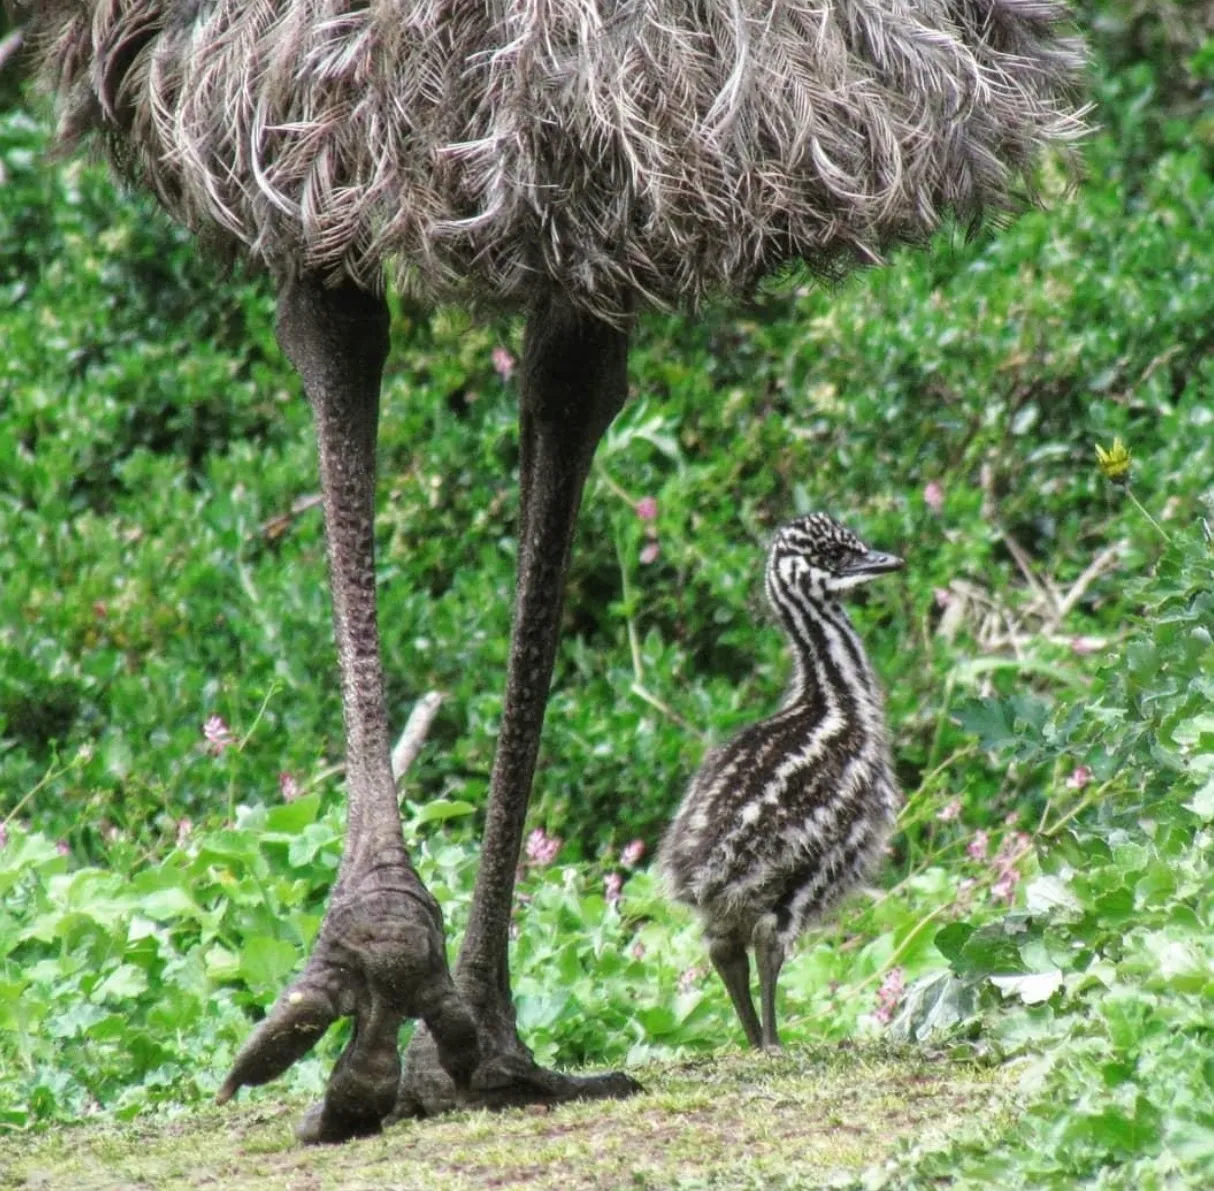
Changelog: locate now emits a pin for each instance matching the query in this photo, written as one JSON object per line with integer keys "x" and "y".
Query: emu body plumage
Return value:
{"x": 610, "y": 150}
{"x": 792, "y": 813}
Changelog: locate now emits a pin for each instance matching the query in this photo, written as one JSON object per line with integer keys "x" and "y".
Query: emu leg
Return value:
{"x": 379, "y": 955}
{"x": 729, "y": 958}
{"x": 574, "y": 381}
{"x": 769, "y": 959}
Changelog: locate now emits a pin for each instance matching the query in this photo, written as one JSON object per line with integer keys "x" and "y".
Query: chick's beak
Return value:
{"x": 874, "y": 562}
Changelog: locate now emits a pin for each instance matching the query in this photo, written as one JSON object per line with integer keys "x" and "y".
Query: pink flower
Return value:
{"x": 978, "y": 846}
{"x": 630, "y": 857}
{"x": 1080, "y": 776}
{"x": 503, "y": 362}
{"x": 218, "y": 736}
{"x": 542, "y": 848}
{"x": 949, "y": 812}
{"x": 1004, "y": 889}
{"x": 1086, "y": 645}
{"x": 647, "y": 508}
{"x": 888, "y": 995}
{"x": 184, "y": 827}
{"x": 933, "y": 496}
{"x": 62, "y": 848}
{"x": 3, "y": 834}
{"x": 650, "y": 552}
{"x": 637, "y": 951}
{"x": 612, "y": 884}
{"x": 689, "y": 979}
{"x": 288, "y": 787}
{"x": 942, "y": 596}
{"x": 1013, "y": 847}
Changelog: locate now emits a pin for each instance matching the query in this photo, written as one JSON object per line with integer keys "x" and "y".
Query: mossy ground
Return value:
{"x": 744, "y": 1121}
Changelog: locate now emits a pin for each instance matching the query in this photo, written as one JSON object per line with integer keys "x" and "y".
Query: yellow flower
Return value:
{"x": 1115, "y": 462}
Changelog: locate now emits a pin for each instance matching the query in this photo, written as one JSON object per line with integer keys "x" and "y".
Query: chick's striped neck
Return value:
{"x": 829, "y": 659}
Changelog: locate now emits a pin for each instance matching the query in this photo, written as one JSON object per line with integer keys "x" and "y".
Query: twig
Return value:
{"x": 1158, "y": 362}
{"x": 1024, "y": 563}
{"x": 647, "y": 696}
{"x": 901, "y": 949}
{"x": 275, "y": 687}
{"x": 1097, "y": 567}
{"x": 336, "y": 769}
{"x": 49, "y": 776}
{"x": 414, "y": 736}
{"x": 276, "y": 526}
{"x": 1081, "y": 805}
{"x": 609, "y": 482}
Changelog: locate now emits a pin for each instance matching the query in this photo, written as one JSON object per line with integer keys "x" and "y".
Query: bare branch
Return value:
{"x": 1025, "y": 564}
{"x": 276, "y": 526}
{"x": 414, "y": 735}
{"x": 1104, "y": 561}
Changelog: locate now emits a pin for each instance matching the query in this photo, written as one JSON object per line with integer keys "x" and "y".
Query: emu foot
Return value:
{"x": 380, "y": 958}
{"x": 507, "y": 1077}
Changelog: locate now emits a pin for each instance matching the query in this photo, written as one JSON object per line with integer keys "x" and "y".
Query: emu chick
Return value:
{"x": 792, "y": 813}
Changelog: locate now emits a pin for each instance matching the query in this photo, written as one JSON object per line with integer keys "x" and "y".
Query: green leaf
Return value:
{"x": 290, "y": 818}
{"x": 438, "y": 810}
{"x": 988, "y": 719}
{"x": 936, "y": 1003}
{"x": 1048, "y": 893}
{"x": 266, "y": 964}
{"x": 1032, "y": 988}
{"x": 163, "y": 905}
{"x": 1202, "y": 802}
{"x": 950, "y": 940}
{"x": 990, "y": 950}
{"x": 123, "y": 984}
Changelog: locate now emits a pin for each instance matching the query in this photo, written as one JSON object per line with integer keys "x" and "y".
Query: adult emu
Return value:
{"x": 574, "y": 160}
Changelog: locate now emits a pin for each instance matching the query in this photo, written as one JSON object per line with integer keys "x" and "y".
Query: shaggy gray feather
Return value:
{"x": 610, "y": 149}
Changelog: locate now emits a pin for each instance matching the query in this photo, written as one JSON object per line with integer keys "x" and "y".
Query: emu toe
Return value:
{"x": 507, "y": 1077}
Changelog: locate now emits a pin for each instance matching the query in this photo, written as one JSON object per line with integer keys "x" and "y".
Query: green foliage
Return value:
{"x": 1048, "y": 656}
{"x": 1104, "y": 977}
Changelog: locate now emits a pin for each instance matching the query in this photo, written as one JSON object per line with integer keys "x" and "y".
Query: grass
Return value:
{"x": 802, "y": 1120}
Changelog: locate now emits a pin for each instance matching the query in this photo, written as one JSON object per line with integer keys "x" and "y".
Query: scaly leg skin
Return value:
{"x": 769, "y": 959}
{"x": 732, "y": 964}
{"x": 574, "y": 381}
{"x": 379, "y": 955}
